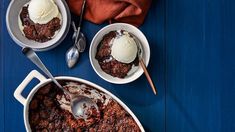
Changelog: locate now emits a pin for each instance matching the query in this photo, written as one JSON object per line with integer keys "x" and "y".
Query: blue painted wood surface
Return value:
{"x": 192, "y": 63}
{"x": 200, "y": 50}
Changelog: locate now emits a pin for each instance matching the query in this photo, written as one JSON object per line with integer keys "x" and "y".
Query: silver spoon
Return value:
{"x": 77, "y": 102}
{"x": 81, "y": 43}
{"x": 72, "y": 55}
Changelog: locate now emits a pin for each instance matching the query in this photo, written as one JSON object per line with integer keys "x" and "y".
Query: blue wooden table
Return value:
{"x": 192, "y": 63}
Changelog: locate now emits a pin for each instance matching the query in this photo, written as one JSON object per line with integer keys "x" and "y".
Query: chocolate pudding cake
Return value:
{"x": 35, "y": 31}
{"x": 108, "y": 63}
{"x": 49, "y": 110}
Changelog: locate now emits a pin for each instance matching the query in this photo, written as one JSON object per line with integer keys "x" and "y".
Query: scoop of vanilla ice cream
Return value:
{"x": 42, "y": 11}
{"x": 124, "y": 48}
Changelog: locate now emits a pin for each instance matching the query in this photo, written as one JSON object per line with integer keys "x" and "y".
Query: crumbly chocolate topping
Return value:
{"x": 107, "y": 63}
{"x": 38, "y": 32}
{"x": 49, "y": 111}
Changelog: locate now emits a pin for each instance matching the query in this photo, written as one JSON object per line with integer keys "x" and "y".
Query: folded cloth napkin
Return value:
{"x": 99, "y": 11}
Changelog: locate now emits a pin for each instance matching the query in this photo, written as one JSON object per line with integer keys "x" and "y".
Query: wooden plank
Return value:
{"x": 138, "y": 95}
{"x": 1, "y": 72}
{"x": 200, "y": 65}
{"x": 153, "y": 108}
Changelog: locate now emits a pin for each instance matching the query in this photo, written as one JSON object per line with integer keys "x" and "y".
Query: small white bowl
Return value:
{"x": 99, "y": 36}
{"x": 13, "y": 28}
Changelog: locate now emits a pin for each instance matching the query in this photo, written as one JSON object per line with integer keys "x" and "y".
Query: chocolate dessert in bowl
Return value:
{"x": 114, "y": 53}
{"x": 40, "y": 20}
{"x": 38, "y": 24}
{"x": 117, "y": 54}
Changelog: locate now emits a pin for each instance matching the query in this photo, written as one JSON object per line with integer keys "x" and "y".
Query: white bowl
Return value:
{"x": 12, "y": 15}
{"x": 99, "y": 36}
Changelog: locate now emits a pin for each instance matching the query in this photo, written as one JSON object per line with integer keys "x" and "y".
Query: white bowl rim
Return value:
{"x": 132, "y": 78}
{"x": 51, "y": 43}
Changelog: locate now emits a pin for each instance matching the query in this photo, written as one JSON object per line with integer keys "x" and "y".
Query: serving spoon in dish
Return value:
{"x": 81, "y": 106}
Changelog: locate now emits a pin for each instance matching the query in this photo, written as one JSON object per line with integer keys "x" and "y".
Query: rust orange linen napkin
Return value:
{"x": 99, "y": 11}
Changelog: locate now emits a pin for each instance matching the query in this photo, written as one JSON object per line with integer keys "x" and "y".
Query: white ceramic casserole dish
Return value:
{"x": 43, "y": 81}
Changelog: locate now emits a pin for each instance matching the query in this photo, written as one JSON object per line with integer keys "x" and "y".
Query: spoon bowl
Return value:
{"x": 79, "y": 41}
{"x": 82, "y": 107}
{"x": 72, "y": 56}
{"x": 77, "y": 102}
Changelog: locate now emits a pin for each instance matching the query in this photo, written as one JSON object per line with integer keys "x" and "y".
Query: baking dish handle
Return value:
{"x": 18, "y": 92}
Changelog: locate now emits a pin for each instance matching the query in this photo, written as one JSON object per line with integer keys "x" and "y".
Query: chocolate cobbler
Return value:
{"x": 107, "y": 62}
{"x": 36, "y": 31}
{"x": 49, "y": 110}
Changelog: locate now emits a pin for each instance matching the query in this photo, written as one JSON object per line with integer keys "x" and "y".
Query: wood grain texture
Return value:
{"x": 200, "y": 65}
{"x": 138, "y": 96}
{"x": 192, "y": 64}
{"x": 1, "y": 73}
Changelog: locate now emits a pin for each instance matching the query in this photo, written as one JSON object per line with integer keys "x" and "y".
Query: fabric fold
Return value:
{"x": 99, "y": 11}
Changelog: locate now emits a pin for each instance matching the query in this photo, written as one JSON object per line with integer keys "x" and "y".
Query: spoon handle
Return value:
{"x": 80, "y": 21}
{"x": 35, "y": 59}
{"x": 81, "y": 14}
{"x": 143, "y": 66}
{"x": 148, "y": 76}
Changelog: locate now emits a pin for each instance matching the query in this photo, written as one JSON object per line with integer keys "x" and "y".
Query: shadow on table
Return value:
{"x": 137, "y": 93}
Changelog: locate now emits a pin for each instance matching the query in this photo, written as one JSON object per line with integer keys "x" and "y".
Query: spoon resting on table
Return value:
{"x": 72, "y": 54}
{"x": 77, "y": 102}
